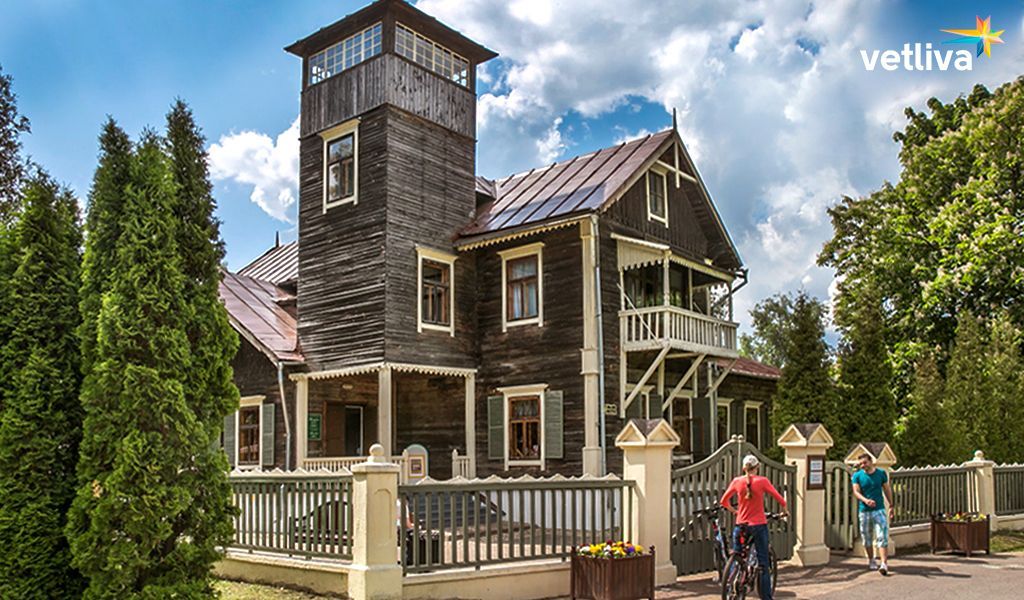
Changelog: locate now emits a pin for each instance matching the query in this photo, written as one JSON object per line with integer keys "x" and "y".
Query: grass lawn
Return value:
{"x": 1008, "y": 541}
{"x": 233, "y": 590}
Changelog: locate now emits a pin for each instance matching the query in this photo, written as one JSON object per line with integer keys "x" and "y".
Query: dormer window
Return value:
{"x": 657, "y": 197}
{"x": 347, "y": 53}
{"x": 430, "y": 55}
{"x": 340, "y": 164}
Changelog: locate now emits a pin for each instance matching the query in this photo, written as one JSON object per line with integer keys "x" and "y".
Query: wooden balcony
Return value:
{"x": 655, "y": 327}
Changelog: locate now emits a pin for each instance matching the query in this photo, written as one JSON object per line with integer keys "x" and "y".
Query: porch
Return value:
{"x": 417, "y": 413}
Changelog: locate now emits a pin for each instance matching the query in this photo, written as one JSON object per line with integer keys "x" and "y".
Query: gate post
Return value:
{"x": 646, "y": 446}
{"x": 984, "y": 486}
{"x": 375, "y": 572}
{"x": 802, "y": 441}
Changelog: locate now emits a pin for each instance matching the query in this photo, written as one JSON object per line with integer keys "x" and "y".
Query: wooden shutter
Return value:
{"x": 636, "y": 409}
{"x": 553, "y": 424}
{"x": 654, "y": 406}
{"x": 230, "y": 446}
{"x": 495, "y": 427}
{"x": 267, "y": 436}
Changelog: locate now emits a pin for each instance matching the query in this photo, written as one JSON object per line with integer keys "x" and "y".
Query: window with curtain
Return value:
{"x": 435, "y": 293}
{"x": 524, "y": 428}
{"x": 522, "y": 287}
{"x": 249, "y": 435}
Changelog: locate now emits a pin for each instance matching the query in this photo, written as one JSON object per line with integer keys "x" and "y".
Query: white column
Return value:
{"x": 301, "y": 422}
{"x": 984, "y": 486}
{"x": 588, "y": 355}
{"x": 471, "y": 423}
{"x": 384, "y": 388}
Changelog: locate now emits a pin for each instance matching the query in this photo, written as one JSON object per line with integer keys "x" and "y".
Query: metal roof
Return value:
{"x": 254, "y": 311}
{"x": 751, "y": 368}
{"x": 278, "y": 265}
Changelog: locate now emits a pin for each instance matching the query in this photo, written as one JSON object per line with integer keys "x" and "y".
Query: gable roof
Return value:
{"x": 255, "y": 313}
{"x": 749, "y": 367}
{"x": 279, "y": 265}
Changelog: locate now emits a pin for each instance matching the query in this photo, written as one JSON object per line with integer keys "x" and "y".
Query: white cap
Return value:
{"x": 750, "y": 461}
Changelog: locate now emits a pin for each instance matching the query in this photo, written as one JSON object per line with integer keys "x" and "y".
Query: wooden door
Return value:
{"x": 334, "y": 430}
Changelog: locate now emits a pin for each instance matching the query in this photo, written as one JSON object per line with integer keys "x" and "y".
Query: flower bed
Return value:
{"x": 612, "y": 571}
{"x": 960, "y": 532}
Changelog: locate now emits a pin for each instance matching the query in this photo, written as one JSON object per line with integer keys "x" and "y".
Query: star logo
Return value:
{"x": 982, "y": 35}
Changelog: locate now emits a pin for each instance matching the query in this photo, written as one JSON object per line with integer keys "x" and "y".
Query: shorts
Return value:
{"x": 874, "y": 528}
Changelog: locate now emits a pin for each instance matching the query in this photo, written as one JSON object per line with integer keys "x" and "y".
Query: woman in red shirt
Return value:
{"x": 750, "y": 489}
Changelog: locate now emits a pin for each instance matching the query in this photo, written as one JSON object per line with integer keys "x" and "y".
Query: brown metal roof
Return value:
{"x": 253, "y": 309}
{"x": 751, "y": 368}
{"x": 279, "y": 265}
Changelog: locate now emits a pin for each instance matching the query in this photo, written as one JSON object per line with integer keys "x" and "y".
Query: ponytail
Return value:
{"x": 750, "y": 480}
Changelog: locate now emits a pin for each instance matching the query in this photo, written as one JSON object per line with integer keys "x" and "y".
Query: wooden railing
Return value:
{"x": 295, "y": 513}
{"x": 460, "y": 524}
{"x": 343, "y": 464}
{"x": 652, "y": 326}
{"x": 918, "y": 493}
{"x": 1009, "y": 484}
{"x": 462, "y": 466}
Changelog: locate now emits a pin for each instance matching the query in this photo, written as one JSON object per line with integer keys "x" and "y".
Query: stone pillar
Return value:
{"x": 646, "y": 446}
{"x": 375, "y": 571}
{"x": 801, "y": 441}
{"x": 301, "y": 421}
{"x": 984, "y": 486}
{"x": 588, "y": 354}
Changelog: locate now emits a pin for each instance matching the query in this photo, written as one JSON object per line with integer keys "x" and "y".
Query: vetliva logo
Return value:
{"x": 918, "y": 57}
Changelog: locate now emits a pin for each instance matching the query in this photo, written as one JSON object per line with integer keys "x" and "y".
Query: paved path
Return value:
{"x": 918, "y": 577}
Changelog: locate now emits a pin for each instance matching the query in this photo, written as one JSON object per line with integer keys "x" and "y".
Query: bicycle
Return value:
{"x": 742, "y": 573}
{"x": 721, "y": 549}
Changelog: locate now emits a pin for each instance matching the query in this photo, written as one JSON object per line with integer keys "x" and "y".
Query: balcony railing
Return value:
{"x": 653, "y": 327}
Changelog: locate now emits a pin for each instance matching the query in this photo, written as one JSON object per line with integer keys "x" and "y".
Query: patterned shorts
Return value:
{"x": 874, "y": 528}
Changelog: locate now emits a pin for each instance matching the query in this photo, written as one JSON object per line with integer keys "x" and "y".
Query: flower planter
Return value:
{"x": 612, "y": 578}
{"x": 962, "y": 533}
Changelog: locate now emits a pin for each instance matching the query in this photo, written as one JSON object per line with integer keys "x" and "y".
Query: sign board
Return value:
{"x": 314, "y": 426}
{"x": 816, "y": 472}
{"x": 417, "y": 462}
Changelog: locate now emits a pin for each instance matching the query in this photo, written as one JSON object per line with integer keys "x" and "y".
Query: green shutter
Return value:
{"x": 267, "y": 438}
{"x": 636, "y": 409}
{"x": 229, "y": 438}
{"x": 654, "y": 406}
{"x": 553, "y": 420}
{"x": 495, "y": 427}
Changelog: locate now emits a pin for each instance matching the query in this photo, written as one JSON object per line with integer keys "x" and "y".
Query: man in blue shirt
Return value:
{"x": 871, "y": 488}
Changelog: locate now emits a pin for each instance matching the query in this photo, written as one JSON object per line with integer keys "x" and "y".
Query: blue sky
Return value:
{"x": 774, "y": 100}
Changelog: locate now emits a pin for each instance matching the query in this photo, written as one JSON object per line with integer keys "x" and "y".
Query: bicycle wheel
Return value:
{"x": 734, "y": 586}
{"x": 773, "y": 566}
{"x": 719, "y": 562}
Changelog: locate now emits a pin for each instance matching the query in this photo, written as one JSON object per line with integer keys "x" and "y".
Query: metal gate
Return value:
{"x": 702, "y": 484}
{"x": 840, "y": 507}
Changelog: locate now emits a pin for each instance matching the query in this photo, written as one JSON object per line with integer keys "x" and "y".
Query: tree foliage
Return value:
{"x": 12, "y": 166}
{"x": 772, "y": 322}
{"x": 923, "y": 434}
{"x": 40, "y": 424}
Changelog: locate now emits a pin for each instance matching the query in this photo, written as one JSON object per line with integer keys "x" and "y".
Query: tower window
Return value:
{"x": 435, "y": 57}
{"x": 349, "y": 52}
{"x": 437, "y": 290}
{"x": 341, "y": 161}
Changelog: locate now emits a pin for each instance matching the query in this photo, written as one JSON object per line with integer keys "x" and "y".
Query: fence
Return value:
{"x": 920, "y": 492}
{"x": 296, "y": 513}
{"x": 1009, "y": 488}
{"x": 453, "y": 525}
{"x": 840, "y": 507}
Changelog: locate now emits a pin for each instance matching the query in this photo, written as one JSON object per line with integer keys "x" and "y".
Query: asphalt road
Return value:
{"x": 918, "y": 577}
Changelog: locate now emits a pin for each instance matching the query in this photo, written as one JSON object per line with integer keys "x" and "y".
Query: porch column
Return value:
{"x": 384, "y": 409}
{"x": 665, "y": 287}
{"x": 471, "y": 423}
{"x": 301, "y": 421}
{"x": 589, "y": 357}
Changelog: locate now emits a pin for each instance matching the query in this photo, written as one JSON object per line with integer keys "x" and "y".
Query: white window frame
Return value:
{"x": 643, "y": 396}
{"x": 248, "y": 402}
{"x": 522, "y": 252}
{"x": 657, "y": 172}
{"x": 727, "y": 404}
{"x": 328, "y": 136}
{"x": 514, "y": 391}
{"x": 438, "y": 256}
{"x": 747, "y": 405}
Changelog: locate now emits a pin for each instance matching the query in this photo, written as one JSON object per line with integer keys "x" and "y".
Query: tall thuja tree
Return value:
{"x": 103, "y": 224}
{"x": 12, "y": 165}
{"x": 968, "y": 389}
{"x": 211, "y": 393}
{"x": 127, "y": 530}
{"x": 867, "y": 409}
{"x": 40, "y": 425}
{"x": 806, "y": 391}
{"x": 924, "y": 433}
{"x": 1004, "y": 413}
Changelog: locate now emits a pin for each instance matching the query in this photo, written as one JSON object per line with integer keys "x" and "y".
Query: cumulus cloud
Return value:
{"x": 269, "y": 166}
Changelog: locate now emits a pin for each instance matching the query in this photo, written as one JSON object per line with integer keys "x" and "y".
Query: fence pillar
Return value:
{"x": 800, "y": 441}
{"x": 646, "y": 446}
{"x": 984, "y": 486}
{"x": 375, "y": 571}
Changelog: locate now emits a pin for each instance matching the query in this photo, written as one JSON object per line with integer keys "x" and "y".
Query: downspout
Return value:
{"x": 596, "y": 249}
{"x": 287, "y": 426}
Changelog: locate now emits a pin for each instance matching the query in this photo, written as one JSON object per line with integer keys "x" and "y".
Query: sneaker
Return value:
{"x": 883, "y": 569}
{"x": 872, "y": 565}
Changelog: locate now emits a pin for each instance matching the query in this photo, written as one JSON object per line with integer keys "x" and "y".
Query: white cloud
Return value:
{"x": 551, "y": 146}
{"x": 270, "y": 166}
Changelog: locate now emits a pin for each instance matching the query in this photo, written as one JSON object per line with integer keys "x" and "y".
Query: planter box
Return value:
{"x": 612, "y": 578}
{"x": 960, "y": 536}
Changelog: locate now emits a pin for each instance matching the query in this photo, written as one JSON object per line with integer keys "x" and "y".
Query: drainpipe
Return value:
{"x": 596, "y": 249}
{"x": 287, "y": 426}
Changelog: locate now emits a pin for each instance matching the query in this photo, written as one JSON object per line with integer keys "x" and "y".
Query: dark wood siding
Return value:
{"x": 430, "y": 411}
{"x": 742, "y": 389}
{"x": 256, "y": 375}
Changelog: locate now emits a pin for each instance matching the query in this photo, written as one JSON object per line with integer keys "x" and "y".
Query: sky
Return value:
{"x": 774, "y": 101}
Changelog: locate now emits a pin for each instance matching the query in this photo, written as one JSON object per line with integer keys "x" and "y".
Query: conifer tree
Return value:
{"x": 1003, "y": 414}
{"x": 129, "y": 534}
{"x": 806, "y": 392}
{"x": 968, "y": 388}
{"x": 923, "y": 434}
{"x": 12, "y": 165}
{"x": 40, "y": 425}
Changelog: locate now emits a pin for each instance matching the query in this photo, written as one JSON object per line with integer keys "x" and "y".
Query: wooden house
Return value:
{"x": 504, "y": 326}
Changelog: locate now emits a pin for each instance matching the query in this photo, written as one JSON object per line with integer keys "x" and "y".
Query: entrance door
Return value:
{"x": 353, "y": 431}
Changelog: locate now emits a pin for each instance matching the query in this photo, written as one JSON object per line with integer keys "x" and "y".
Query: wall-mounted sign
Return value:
{"x": 611, "y": 410}
{"x": 816, "y": 472}
{"x": 314, "y": 426}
